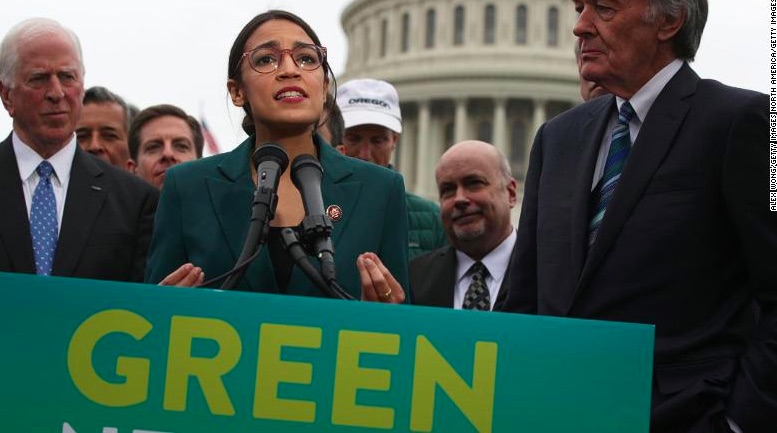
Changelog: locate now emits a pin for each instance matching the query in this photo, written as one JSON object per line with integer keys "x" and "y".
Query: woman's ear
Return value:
{"x": 235, "y": 92}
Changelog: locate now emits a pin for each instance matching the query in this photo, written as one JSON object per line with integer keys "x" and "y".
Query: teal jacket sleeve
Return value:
{"x": 394, "y": 245}
{"x": 167, "y": 251}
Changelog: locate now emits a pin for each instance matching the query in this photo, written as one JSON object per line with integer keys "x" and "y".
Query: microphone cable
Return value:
{"x": 296, "y": 250}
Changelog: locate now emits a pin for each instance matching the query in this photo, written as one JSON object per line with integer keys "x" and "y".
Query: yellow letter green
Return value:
{"x": 475, "y": 402}
{"x": 271, "y": 371}
{"x": 209, "y": 371}
{"x": 79, "y": 359}
{"x": 349, "y": 378}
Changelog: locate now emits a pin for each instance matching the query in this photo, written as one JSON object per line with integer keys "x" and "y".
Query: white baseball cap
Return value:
{"x": 370, "y": 102}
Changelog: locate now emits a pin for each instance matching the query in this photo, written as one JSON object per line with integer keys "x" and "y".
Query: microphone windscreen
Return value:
{"x": 301, "y": 167}
{"x": 271, "y": 152}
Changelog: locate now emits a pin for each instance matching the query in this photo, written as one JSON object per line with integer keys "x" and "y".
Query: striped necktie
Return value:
{"x": 43, "y": 220}
{"x": 620, "y": 146}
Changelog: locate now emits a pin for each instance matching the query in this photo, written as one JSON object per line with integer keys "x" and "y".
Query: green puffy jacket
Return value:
{"x": 424, "y": 224}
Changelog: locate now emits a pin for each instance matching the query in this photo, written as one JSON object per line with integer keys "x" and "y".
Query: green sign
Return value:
{"x": 90, "y": 356}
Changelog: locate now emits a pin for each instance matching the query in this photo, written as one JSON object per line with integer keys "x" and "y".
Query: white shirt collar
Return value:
{"x": 28, "y": 160}
{"x": 644, "y": 98}
{"x": 495, "y": 261}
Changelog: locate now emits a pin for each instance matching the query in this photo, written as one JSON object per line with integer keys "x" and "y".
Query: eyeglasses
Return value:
{"x": 264, "y": 60}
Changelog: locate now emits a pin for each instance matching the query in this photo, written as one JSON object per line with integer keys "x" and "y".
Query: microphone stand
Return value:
{"x": 316, "y": 233}
{"x": 306, "y": 173}
{"x": 271, "y": 161}
{"x": 262, "y": 211}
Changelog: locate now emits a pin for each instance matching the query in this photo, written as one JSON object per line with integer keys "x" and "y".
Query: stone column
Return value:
{"x": 460, "y": 121}
{"x": 500, "y": 127}
{"x": 408, "y": 152}
{"x": 539, "y": 115}
{"x": 425, "y": 163}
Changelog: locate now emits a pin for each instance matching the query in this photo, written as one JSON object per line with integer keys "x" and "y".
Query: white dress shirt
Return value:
{"x": 641, "y": 103}
{"x": 496, "y": 262}
{"x": 28, "y": 160}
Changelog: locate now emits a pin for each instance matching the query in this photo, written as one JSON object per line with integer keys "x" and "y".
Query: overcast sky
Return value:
{"x": 175, "y": 51}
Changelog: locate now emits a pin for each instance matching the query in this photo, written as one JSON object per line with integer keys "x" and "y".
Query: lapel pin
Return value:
{"x": 334, "y": 212}
{"x": 96, "y": 188}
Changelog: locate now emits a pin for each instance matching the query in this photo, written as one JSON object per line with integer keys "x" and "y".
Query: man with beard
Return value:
{"x": 477, "y": 192}
{"x": 160, "y": 137}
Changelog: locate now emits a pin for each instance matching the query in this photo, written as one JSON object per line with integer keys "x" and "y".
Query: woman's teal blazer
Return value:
{"x": 205, "y": 207}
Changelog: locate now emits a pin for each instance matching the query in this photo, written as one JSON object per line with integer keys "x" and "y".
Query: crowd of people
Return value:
{"x": 648, "y": 203}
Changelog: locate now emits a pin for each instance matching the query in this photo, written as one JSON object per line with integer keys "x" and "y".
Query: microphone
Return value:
{"x": 306, "y": 174}
{"x": 270, "y": 161}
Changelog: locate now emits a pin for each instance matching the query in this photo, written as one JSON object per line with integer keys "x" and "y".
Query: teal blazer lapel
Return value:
{"x": 336, "y": 188}
{"x": 230, "y": 190}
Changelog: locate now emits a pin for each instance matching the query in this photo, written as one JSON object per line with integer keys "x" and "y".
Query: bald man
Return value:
{"x": 477, "y": 192}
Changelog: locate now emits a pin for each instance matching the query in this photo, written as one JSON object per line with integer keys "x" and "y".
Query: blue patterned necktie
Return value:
{"x": 620, "y": 146}
{"x": 477, "y": 296}
{"x": 43, "y": 220}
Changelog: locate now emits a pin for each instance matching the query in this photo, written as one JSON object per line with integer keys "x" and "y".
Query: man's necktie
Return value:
{"x": 620, "y": 146}
{"x": 43, "y": 220}
{"x": 477, "y": 296}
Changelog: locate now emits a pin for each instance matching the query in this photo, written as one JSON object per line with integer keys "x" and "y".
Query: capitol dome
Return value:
{"x": 465, "y": 69}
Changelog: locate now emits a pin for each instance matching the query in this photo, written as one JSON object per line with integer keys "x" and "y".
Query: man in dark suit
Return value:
{"x": 62, "y": 211}
{"x": 476, "y": 192}
{"x": 652, "y": 206}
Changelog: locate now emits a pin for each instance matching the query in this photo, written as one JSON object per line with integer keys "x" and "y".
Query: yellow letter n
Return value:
{"x": 431, "y": 370}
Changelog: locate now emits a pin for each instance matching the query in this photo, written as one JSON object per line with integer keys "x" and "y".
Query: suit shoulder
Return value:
{"x": 197, "y": 167}
{"x": 344, "y": 168}
{"x": 716, "y": 87}
{"x": 370, "y": 170}
{"x": 376, "y": 179}
{"x": 716, "y": 94}
{"x": 129, "y": 181}
{"x": 579, "y": 113}
{"x": 422, "y": 261}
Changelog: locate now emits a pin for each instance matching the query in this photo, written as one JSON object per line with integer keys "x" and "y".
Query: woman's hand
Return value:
{"x": 187, "y": 275}
{"x": 378, "y": 285}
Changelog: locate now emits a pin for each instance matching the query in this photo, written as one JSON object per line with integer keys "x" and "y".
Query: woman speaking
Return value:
{"x": 279, "y": 74}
